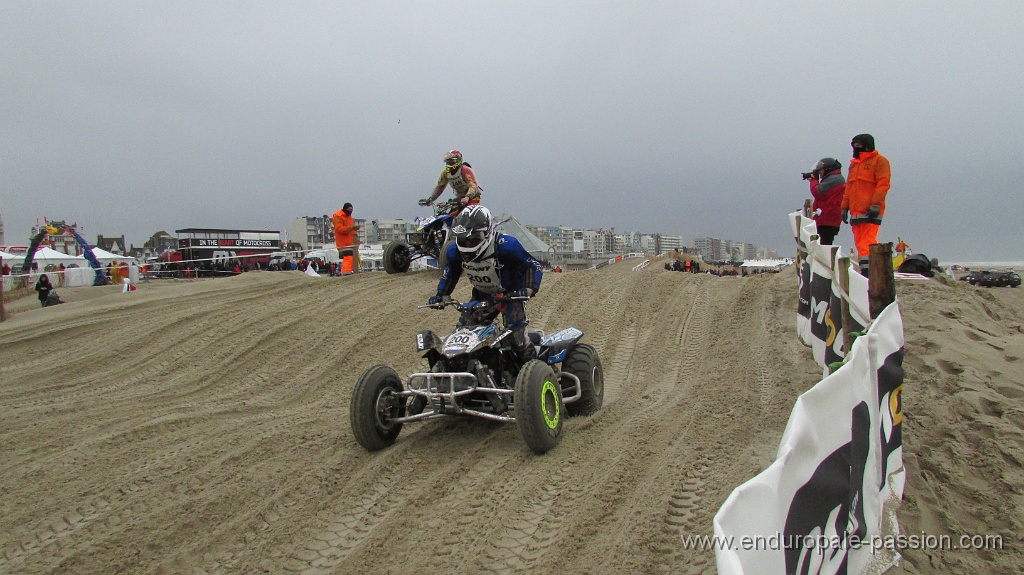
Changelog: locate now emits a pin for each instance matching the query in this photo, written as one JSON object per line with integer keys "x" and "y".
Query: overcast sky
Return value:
{"x": 681, "y": 117}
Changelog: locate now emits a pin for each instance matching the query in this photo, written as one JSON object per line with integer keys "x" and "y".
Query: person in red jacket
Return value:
{"x": 828, "y": 187}
{"x": 867, "y": 184}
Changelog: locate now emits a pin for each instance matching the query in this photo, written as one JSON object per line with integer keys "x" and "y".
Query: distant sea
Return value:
{"x": 1014, "y": 265}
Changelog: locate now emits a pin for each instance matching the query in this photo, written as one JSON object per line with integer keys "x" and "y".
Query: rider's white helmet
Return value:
{"x": 473, "y": 233}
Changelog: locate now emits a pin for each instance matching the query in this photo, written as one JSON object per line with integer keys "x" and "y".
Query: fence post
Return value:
{"x": 3, "y": 312}
{"x": 808, "y": 205}
{"x": 881, "y": 281}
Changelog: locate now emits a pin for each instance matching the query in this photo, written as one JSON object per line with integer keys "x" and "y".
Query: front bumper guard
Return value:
{"x": 442, "y": 390}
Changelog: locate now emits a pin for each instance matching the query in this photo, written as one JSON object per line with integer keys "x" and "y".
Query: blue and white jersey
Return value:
{"x": 509, "y": 267}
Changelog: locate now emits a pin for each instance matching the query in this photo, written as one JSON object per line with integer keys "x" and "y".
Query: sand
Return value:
{"x": 202, "y": 427}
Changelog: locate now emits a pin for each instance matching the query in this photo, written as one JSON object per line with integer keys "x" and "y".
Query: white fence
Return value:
{"x": 828, "y": 502}
{"x": 72, "y": 277}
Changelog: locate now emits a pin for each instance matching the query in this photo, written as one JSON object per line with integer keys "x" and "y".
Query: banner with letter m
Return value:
{"x": 838, "y": 475}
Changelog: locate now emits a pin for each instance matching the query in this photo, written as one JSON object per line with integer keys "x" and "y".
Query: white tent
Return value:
{"x": 508, "y": 224}
{"x": 12, "y": 261}
{"x": 48, "y": 256}
{"x": 769, "y": 264}
{"x": 107, "y": 257}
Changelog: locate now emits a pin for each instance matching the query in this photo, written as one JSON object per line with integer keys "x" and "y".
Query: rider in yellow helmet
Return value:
{"x": 459, "y": 175}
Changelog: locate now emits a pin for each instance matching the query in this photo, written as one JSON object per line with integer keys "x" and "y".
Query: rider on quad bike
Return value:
{"x": 495, "y": 263}
{"x": 462, "y": 179}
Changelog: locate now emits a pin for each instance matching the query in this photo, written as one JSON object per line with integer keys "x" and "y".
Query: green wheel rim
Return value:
{"x": 551, "y": 413}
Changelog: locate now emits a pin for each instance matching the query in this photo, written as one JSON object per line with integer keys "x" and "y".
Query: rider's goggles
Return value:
{"x": 472, "y": 240}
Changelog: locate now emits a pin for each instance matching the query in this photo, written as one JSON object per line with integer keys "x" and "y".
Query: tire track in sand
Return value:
{"x": 533, "y": 530}
{"x": 377, "y": 498}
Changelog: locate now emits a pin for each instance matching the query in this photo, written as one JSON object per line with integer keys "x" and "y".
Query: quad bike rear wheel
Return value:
{"x": 583, "y": 362}
{"x": 538, "y": 406}
{"x": 397, "y": 256}
{"x": 375, "y": 404}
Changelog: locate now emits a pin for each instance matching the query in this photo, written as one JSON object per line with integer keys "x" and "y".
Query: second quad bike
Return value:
{"x": 475, "y": 372}
{"x": 429, "y": 240}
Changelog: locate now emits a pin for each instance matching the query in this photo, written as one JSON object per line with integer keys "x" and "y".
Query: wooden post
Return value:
{"x": 844, "y": 281}
{"x": 808, "y": 205}
{"x": 881, "y": 281}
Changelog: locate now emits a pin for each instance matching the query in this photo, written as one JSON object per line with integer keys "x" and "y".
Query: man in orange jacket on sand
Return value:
{"x": 345, "y": 239}
{"x": 864, "y": 201}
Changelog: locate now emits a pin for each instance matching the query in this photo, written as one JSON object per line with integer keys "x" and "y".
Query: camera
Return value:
{"x": 807, "y": 175}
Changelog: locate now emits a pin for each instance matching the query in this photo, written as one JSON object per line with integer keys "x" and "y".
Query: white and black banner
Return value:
{"x": 803, "y": 270}
{"x": 827, "y": 504}
{"x": 819, "y": 309}
{"x": 824, "y": 332}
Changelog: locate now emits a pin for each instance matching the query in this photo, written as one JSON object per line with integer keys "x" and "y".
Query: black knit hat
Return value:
{"x": 866, "y": 140}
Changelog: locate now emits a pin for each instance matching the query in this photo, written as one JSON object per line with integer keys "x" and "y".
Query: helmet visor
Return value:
{"x": 472, "y": 240}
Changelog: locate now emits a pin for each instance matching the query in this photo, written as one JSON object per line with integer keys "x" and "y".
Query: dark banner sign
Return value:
{"x": 222, "y": 244}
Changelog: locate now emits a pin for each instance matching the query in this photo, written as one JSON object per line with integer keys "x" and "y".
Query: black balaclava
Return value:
{"x": 867, "y": 142}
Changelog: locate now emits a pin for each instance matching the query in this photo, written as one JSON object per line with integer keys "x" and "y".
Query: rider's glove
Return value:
{"x": 874, "y": 210}
{"x": 425, "y": 202}
{"x": 437, "y": 300}
{"x": 524, "y": 292}
{"x": 846, "y": 216}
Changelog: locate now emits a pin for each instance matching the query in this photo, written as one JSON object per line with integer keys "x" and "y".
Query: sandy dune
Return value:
{"x": 202, "y": 427}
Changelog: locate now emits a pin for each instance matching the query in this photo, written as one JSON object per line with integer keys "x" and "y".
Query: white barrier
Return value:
{"x": 828, "y": 502}
{"x": 830, "y": 497}
{"x": 819, "y": 314}
{"x": 72, "y": 277}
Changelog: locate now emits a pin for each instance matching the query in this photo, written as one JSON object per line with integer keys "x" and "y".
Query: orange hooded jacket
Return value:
{"x": 344, "y": 230}
{"x": 867, "y": 184}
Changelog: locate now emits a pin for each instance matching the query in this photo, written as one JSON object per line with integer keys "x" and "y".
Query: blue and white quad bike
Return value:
{"x": 429, "y": 240}
{"x": 475, "y": 372}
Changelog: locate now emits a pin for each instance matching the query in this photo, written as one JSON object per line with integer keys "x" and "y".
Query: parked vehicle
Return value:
{"x": 992, "y": 278}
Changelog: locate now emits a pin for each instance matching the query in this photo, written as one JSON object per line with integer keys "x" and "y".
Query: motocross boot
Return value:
{"x": 523, "y": 347}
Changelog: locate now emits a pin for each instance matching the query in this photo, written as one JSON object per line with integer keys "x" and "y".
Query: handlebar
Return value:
{"x": 451, "y": 202}
{"x": 443, "y": 207}
{"x": 483, "y": 304}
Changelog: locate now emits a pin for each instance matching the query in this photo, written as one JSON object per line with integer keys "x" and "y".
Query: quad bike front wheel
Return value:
{"x": 538, "y": 406}
{"x": 375, "y": 404}
{"x": 397, "y": 257}
{"x": 583, "y": 362}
